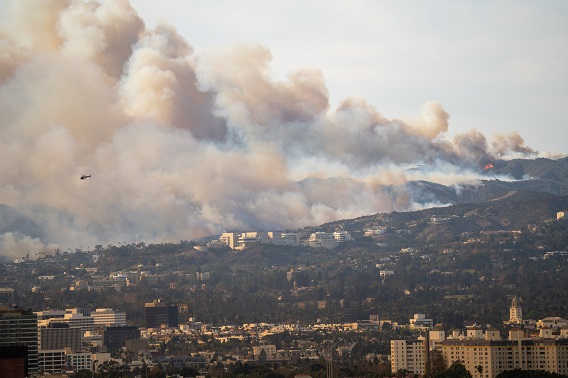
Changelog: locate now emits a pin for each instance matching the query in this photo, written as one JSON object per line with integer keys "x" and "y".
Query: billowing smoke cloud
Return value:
{"x": 24, "y": 247}
{"x": 181, "y": 146}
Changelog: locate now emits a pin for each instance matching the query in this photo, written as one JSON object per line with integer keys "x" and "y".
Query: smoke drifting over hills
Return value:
{"x": 181, "y": 146}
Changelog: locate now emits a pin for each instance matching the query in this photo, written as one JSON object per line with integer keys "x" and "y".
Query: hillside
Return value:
{"x": 515, "y": 193}
{"x": 507, "y": 211}
{"x": 12, "y": 220}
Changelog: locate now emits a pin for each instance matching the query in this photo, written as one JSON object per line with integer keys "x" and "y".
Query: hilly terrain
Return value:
{"x": 509, "y": 211}
{"x": 516, "y": 192}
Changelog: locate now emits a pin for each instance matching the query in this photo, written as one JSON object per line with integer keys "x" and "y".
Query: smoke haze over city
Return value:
{"x": 182, "y": 146}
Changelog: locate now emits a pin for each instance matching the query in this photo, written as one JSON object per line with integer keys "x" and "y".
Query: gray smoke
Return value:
{"x": 181, "y": 146}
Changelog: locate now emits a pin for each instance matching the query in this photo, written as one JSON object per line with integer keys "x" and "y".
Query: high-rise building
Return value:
{"x": 159, "y": 313}
{"x": 409, "y": 355}
{"x": 19, "y": 328}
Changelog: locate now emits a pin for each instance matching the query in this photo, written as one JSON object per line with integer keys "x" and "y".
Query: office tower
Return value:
{"x": 159, "y": 313}
{"x": 108, "y": 317}
{"x": 14, "y": 361}
{"x": 19, "y": 328}
{"x": 59, "y": 336}
{"x": 115, "y": 338}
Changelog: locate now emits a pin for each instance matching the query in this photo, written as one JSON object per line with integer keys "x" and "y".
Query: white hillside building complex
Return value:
{"x": 241, "y": 240}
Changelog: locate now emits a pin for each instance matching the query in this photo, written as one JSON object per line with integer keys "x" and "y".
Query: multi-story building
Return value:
{"x": 327, "y": 239}
{"x": 270, "y": 351}
{"x": 115, "y": 338}
{"x": 322, "y": 239}
{"x": 409, "y": 355}
{"x": 489, "y": 357}
{"x": 230, "y": 238}
{"x": 55, "y": 336}
{"x": 19, "y": 328}
{"x": 108, "y": 317}
{"x": 159, "y": 313}
{"x": 554, "y": 322}
{"x": 484, "y": 354}
{"x": 241, "y": 240}
{"x": 419, "y": 321}
{"x": 50, "y": 314}
{"x": 75, "y": 317}
{"x": 79, "y": 361}
{"x": 51, "y": 361}
{"x": 342, "y": 236}
{"x": 14, "y": 361}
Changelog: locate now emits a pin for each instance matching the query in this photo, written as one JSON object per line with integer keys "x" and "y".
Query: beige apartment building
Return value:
{"x": 484, "y": 351}
{"x": 517, "y": 352}
{"x": 409, "y": 355}
{"x": 270, "y": 351}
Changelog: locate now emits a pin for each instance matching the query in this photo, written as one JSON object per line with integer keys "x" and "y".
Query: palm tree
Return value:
{"x": 479, "y": 369}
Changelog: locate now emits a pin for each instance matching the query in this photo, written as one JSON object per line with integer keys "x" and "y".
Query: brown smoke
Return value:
{"x": 181, "y": 146}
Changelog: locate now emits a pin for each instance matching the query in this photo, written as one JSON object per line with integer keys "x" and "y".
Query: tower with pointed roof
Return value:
{"x": 515, "y": 312}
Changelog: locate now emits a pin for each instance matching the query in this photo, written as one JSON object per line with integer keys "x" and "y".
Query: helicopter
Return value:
{"x": 84, "y": 177}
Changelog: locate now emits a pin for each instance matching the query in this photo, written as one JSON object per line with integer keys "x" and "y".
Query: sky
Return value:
{"x": 494, "y": 65}
{"x": 195, "y": 118}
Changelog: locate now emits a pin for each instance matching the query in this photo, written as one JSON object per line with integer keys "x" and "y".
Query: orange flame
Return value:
{"x": 489, "y": 166}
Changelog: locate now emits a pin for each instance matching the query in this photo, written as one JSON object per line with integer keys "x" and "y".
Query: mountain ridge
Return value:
{"x": 543, "y": 192}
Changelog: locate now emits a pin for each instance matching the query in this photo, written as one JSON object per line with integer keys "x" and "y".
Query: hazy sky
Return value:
{"x": 199, "y": 117}
{"x": 494, "y": 65}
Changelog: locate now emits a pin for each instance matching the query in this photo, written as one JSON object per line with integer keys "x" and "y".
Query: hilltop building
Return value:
{"x": 328, "y": 240}
{"x": 241, "y": 240}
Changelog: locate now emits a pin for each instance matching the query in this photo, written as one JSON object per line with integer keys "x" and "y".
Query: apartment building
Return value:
{"x": 491, "y": 357}
{"x": 270, "y": 351}
{"x": 409, "y": 355}
{"x": 484, "y": 354}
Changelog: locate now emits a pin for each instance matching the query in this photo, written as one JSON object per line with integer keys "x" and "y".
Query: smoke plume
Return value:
{"x": 181, "y": 145}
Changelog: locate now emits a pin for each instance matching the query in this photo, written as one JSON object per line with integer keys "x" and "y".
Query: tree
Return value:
{"x": 479, "y": 369}
{"x": 435, "y": 364}
{"x": 262, "y": 355}
{"x": 84, "y": 373}
{"x": 457, "y": 370}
